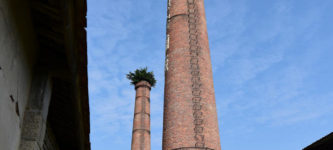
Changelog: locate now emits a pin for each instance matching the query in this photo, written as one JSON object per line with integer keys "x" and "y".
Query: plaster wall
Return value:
{"x": 17, "y": 56}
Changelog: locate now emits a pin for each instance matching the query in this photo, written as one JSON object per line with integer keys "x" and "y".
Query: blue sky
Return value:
{"x": 272, "y": 66}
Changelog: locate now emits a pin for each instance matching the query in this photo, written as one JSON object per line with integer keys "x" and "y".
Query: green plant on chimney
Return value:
{"x": 141, "y": 75}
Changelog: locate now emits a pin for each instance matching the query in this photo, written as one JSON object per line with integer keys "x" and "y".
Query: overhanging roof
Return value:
{"x": 62, "y": 50}
{"x": 325, "y": 143}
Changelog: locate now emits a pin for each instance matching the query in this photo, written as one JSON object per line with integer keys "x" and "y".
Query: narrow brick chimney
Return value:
{"x": 190, "y": 117}
{"x": 141, "y": 121}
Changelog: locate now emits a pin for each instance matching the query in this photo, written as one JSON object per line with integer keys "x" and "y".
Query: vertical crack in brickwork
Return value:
{"x": 195, "y": 74}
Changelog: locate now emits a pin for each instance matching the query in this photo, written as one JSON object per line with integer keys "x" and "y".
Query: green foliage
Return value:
{"x": 141, "y": 75}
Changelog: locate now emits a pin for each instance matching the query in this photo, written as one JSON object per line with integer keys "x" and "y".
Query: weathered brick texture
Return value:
{"x": 190, "y": 118}
{"x": 141, "y": 121}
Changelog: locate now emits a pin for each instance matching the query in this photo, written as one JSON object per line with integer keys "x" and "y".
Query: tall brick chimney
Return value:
{"x": 141, "y": 122}
{"x": 190, "y": 118}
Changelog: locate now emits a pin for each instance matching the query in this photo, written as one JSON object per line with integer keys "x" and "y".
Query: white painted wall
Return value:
{"x": 16, "y": 61}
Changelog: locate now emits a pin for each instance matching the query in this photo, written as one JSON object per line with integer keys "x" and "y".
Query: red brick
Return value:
{"x": 141, "y": 121}
{"x": 190, "y": 118}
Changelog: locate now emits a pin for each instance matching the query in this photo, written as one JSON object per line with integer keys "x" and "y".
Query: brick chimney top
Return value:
{"x": 143, "y": 84}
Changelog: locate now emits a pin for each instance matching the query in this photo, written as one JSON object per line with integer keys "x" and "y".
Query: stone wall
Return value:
{"x": 50, "y": 142}
{"x": 16, "y": 61}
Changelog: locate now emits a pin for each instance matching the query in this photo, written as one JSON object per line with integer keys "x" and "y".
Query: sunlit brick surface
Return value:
{"x": 141, "y": 121}
{"x": 190, "y": 119}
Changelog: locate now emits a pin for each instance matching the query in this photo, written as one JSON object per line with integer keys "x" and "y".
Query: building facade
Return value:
{"x": 190, "y": 117}
{"x": 43, "y": 75}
